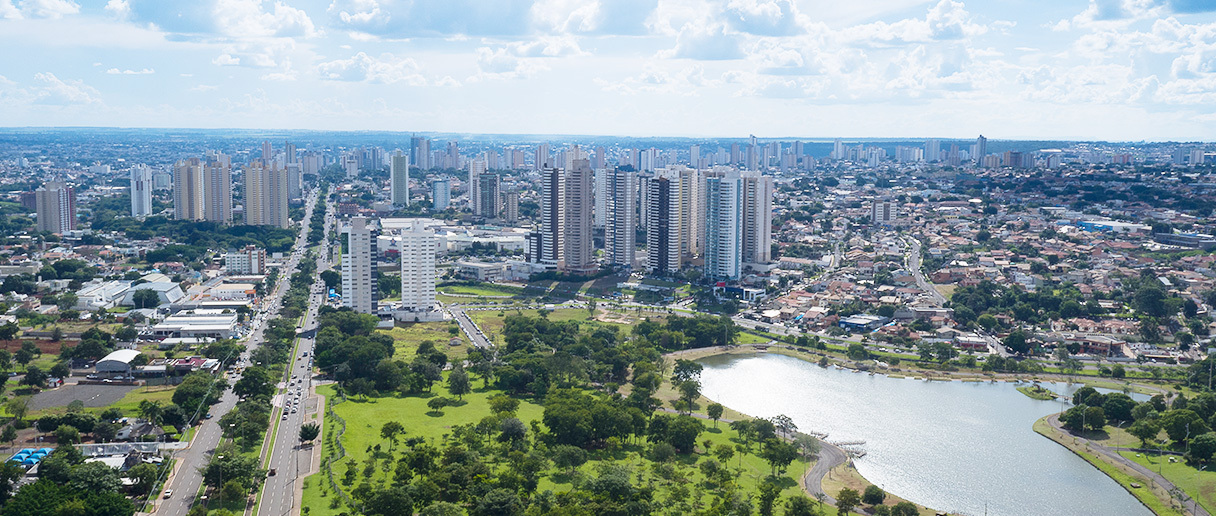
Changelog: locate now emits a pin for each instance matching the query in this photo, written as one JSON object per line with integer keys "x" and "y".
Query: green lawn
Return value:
{"x": 484, "y": 289}
{"x": 1194, "y": 482}
{"x": 407, "y": 337}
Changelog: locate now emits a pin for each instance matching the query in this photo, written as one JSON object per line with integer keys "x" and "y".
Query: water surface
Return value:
{"x": 962, "y": 447}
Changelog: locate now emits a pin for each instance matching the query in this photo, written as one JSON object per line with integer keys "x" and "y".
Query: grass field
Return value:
{"x": 485, "y": 289}
{"x": 364, "y": 419}
{"x": 407, "y": 337}
{"x": 1198, "y": 484}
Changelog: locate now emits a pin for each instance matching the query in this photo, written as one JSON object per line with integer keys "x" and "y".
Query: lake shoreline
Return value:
{"x": 813, "y": 357}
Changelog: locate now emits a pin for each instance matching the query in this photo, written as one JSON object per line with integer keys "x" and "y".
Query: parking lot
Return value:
{"x": 91, "y": 395}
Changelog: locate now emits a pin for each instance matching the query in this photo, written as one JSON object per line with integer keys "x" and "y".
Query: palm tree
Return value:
{"x": 152, "y": 412}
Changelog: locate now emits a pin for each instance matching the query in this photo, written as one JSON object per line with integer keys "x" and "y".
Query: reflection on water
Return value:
{"x": 967, "y": 448}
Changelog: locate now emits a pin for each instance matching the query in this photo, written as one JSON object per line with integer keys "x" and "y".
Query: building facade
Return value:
{"x": 141, "y": 191}
{"x": 359, "y": 287}
{"x": 418, "y": 245}
{"x": 56, "y": 207}
{"x": 620, "y": 205}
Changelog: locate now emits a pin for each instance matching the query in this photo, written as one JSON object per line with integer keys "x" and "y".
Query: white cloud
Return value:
{"x": 386, "y": 69}
{"x": 708, "y": 43}
{"x": 203, "y": 87}
{"x": 947, "y": 20}
{"x": 49, "y": 8}
{"x": 245, "y": 18}
{"x": 145, "y": 71}
{"x": 8, "y": 11}
{"x": 547, "y": 46}
{"x": 687, "y": 81}
{"x": 765, "y": 17}
{"x": 58, "y": 92}
{"x": 226, "y": 60}
{"x": 119, "y": 8}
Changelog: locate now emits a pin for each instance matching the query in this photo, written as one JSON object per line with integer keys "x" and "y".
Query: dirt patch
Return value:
{"x": 46, "y": 346}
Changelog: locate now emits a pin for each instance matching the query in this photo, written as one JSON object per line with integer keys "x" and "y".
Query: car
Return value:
{"x": 168, "y": 493}
{"x": 284, "y": 416}
{"x": 271, "y": 472}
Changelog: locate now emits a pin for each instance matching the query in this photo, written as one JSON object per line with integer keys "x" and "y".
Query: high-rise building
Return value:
{"x": 933, "y": 151}
{"x": 981, "y": 149}
{"x": 418, "y": 267}
{"x": 692, "y": 216}
{"x": 441, "y": 194}
{"x": 266, "y": 195}
{"x": 724, "y": 230}
{"x": 600, "y": 160}
{"x": 217, "y": 192}
{"x": 141, "y": 191}
{"x": 663, "y": 223}
{"x": 56, "y": 205}
{"x": 188, "y": 189}
{"x": 350, "y": 163}
{"x": 838, "y": 150}
{"x": 289, "y": 153}
{"x": 477, "y": 167}
{"x": 883, "y": 212}
{"x": 359, "y": 281}
{"x": 756, "y": 213}
{"x": 489, "y": 199}
{"x": 420, "y": 153}
{"x": 399, "y": 178}
{"x": 600, "y": 192}
{"x": 694, "y": 156}
{"x": 954, "y": 159}
{"x": 620, "y": 230}
{"x": 267, "y": 151}
{"x": 552, "y": 227}
{"x": 510, "y": 207}
{"x": 294, "y": 177}
{"x": 250, "y": 260}
{"x": 579, "y": 245}
{"x": 541, "y": 158}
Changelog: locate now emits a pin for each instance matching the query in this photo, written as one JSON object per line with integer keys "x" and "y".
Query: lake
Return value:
{"x": 963, "y": 447}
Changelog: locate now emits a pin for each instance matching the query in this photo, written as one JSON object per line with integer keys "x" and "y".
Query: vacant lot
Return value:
{"x": 91, "y": 395}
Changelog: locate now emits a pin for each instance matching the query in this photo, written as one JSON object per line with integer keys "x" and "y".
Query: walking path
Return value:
{"x": 1112, "y": 455}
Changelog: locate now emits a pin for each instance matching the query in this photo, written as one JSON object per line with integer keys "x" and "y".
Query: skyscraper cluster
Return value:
{"x": 266, "y": 194}
{"x": 202, "y": 188}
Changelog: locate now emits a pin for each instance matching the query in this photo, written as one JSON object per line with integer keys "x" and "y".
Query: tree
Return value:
{"x": 1182, "y": 424}
{"x": 501, "y": 404}
{"x": 332, "y": 278}
{"x": 34, "y": 376}
{"x": 67, "y": 434}
{"x": 391, "y": 501}
{"x": 904, "y": 509}
{"x": 686, "y": 370}
{"x": 1016, "y": 342}
{"x": 800, "y": 505}
{"x": 9, "y": 331}
{"x": 498, "y": 502}
{"x": 568, "y": 457}
{"x": 9, "y": 434}
{"x": 152, "y": 412}
{"x": 846, "y": 500}
{"x": 689, "y": 390}
{"x": 94, "y": 477}
{"x": 1095, "y": 418}
{"x": 458, "y": 382}
{"x": 390, "y": 431}
{"x": 1202, "y": 447}
{"x": 18, "y": 407}
{"x": 873, "y": 495}
{"x": 769, "y": 492}
{"x": 232, "y": 491}
{"x": 779, "y": 453}
{"x": 145, "y": 298}
{"x": 309, "y": 432}
{"x": 714, "y": 410}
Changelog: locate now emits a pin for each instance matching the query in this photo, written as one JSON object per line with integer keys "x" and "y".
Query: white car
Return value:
{"x": 168, "y": 493}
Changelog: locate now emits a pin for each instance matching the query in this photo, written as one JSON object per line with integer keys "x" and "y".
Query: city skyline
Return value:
{"x": 1101, "y": 70}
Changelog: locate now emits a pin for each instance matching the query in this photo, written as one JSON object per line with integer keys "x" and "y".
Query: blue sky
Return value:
{"x": 1109, "y": 69}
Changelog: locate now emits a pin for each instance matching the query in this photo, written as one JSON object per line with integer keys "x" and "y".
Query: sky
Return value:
{"x": 1124, "y": 70}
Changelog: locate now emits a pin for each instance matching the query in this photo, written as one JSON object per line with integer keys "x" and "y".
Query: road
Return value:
{"x": 288, "y": 458}
{"x": 470, "y": 329}
{"x": 912, "y": 262}
{"x": 187, "y": 481}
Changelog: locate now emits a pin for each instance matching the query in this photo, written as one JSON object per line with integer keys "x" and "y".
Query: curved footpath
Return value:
{"x": 1111, "y": 454}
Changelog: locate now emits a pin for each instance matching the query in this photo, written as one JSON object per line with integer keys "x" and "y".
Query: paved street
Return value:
{"x": 288, "y": 459}
{"x": 187, "y": 480}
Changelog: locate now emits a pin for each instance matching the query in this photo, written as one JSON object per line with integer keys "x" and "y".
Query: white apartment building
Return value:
{"x": 418, "y": 246}
{"x": 359, "y": 288}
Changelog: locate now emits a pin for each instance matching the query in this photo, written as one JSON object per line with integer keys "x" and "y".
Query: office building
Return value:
{"x": 266, "y": 195}
{"x": 724, "y": 229}
{"x": 883, "y": 212}
{"x": 441, "y": 194}
{"x": 141, "y": 191}
{"x": 418, "y": 245}
{"x": 577, "y": 210}
{"x": 56, "y": 207}
{"x": 359, "y": 287}
{"x": 510, "y": 207}
{"x": 551, "y": 243}
{"x": 399, "y": 179}
{"x": 188, "y": 189}
{"x": 249, "y": 260}
{"x": 489, "y": 199}
{"x": 663, "y": 223}
{"x": 620, "y": 230}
